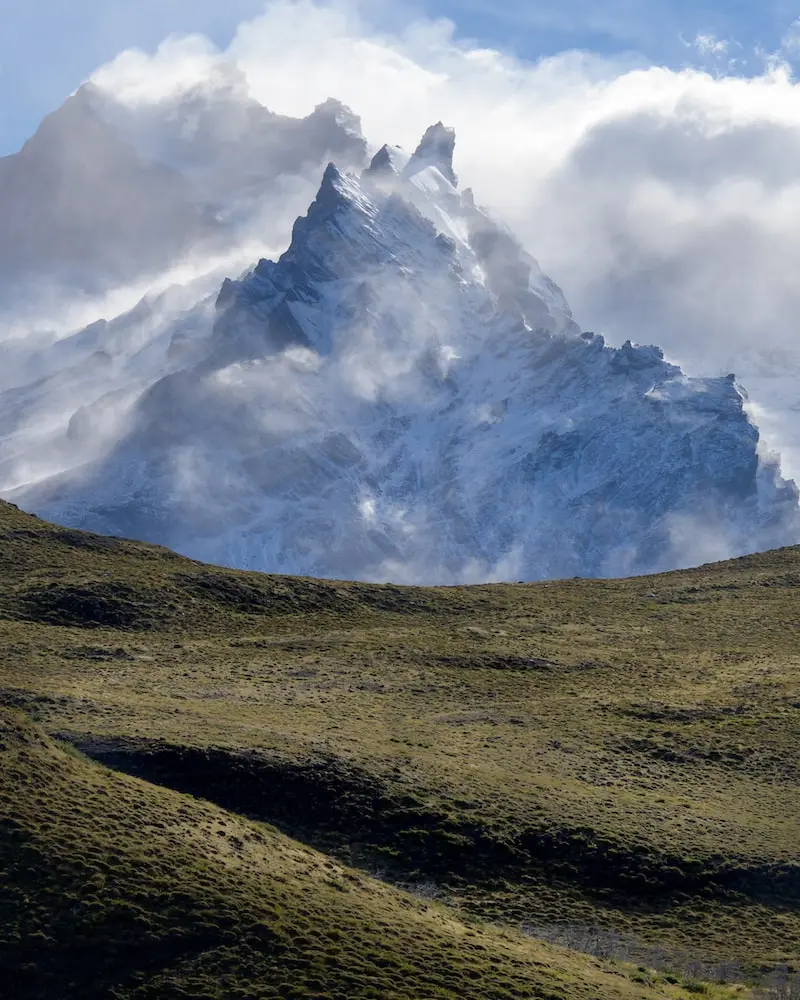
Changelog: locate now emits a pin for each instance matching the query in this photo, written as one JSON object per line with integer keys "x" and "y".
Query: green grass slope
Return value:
{"x": 622, "y": 753}
{"x": 113, "y": 887}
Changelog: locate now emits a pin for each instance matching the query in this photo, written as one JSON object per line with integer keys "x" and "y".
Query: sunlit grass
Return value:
{"x": 614, "y": 753}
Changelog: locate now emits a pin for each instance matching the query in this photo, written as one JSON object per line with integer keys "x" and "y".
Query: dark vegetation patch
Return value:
{"x": 94, "y": 605}
{"x": 674, "y": 713}
{"x": 115, "y": 888}
{"x": 407, "y": 600}
{"x": 253, "y": 594}
{"x": 493, "y": 661}
{"x": 338, "y": 808}
{"x": 16, "y": 698}
{"x": 88, "y": 542}
{"x": 790, "y": 580}
{"x": 487, "y": 661}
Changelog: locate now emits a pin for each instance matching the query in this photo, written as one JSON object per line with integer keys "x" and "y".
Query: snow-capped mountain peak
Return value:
{"x": 403, "y": 394}
{"x": 379, "y": 235}
{"x": 436, "y": 149}
{"x": 388, "y": 162}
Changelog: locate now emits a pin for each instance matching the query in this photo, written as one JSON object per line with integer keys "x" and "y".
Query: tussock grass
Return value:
{"x": 622, "y": 754}
{"x": 114, "y": 887}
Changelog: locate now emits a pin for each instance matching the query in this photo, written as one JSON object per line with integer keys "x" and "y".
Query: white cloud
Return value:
{"x": 790, "y": 43}
{"x": 179, "y": 64}
{"x": 665, "y": 202}
{"x": 710, "y": 45}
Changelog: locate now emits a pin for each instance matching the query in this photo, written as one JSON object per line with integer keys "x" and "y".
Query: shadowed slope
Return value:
{"x": 112, "y": 886}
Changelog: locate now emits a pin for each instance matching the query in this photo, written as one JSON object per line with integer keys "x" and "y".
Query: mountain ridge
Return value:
{"x": 404, "y": 395}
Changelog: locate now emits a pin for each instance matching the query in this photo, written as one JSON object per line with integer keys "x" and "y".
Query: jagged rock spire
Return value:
{"x": 388, "y": 161}
{"x": 338, "y": 113}
{"x": 436, "y": 150}
{"x": 381, "y": 162}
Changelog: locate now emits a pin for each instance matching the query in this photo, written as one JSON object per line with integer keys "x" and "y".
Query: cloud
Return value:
{"x": 666, "y": 202}
{"x": 48, "y": 47}
{"x": 711, "y": 45}
{"x": 178, "y": 65}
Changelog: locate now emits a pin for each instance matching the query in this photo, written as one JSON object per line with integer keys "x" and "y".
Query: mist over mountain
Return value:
{"x": 402, "y": 394}
{"x": 111, "y": 189}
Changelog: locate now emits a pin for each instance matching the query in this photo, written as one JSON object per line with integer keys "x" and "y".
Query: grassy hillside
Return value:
{"x": 113, "y": 887}
{"x": 614, "y": 753}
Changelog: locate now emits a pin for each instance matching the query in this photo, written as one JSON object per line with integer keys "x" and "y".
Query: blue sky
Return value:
{"x": 48, "y": 46}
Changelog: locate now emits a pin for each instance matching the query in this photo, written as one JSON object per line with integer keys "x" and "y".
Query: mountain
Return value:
{"x": 111, "y": 189}
{"x": 401, "y": 395}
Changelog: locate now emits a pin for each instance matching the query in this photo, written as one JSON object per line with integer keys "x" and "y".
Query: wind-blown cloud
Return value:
{"x": 48, "y": 46}
{"x": 666, "y": 202}
{"x": 663, "y": 201}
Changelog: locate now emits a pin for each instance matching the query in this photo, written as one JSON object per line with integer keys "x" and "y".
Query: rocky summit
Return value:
{"x": 403, "y": 395}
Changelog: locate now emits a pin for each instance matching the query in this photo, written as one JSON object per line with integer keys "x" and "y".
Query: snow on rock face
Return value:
{"x": 436, "y": 149}
{"x": 404, "y": 395}
{"x": 389, "y": 161}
